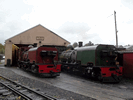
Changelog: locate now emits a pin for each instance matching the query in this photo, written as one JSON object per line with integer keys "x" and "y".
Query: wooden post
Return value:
{"x": 116, "y": 30}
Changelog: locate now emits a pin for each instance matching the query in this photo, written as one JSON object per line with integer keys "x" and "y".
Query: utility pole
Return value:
{"x": 116, "y": 30}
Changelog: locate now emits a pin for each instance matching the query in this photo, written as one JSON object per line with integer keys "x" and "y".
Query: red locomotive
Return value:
{"x": 42, "y": 60}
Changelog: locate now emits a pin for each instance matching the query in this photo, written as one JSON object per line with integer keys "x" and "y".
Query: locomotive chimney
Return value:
{"x": 80, "y": 44}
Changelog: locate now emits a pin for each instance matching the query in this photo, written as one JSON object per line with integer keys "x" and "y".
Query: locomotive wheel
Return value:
{"x": 87, "y": 73}
{"x": 100, "y": 78}
{"x": 62, "y": 68}
{"x": 28, "y": 68}
{"x": 35, "y": 70}
{"x": 19, "y": 65}
{"x": 24, "y": 67}
{"x": 92, "y": 74}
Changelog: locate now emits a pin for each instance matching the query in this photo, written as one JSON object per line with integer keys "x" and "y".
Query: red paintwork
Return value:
{"x": 108, "y": 73}
{"x": 45, "y": 69}
{"x": 128, "y": 64}
{"x": 44, "y": 63}
{"x": 46, "y": 59}
{"x": 32, "y": 56}
{"x": 35, "y": 55}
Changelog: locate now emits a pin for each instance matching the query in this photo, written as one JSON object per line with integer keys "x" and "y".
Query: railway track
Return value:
{"x": 10, "y": 90}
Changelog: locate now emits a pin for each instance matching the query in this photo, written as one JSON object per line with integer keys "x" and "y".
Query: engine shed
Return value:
{"x": 38, "y": 35}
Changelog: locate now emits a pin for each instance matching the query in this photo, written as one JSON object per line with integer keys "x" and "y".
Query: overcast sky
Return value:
{"x": 74, "y": 20}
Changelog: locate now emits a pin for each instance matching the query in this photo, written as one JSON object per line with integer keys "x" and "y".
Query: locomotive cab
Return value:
{"x": 108, "y": 57}
{"x": 51, "y": 55}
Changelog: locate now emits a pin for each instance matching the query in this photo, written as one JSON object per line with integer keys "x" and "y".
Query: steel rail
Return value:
{"x": 48, "y": 97}
{"x": 17, "y": 92}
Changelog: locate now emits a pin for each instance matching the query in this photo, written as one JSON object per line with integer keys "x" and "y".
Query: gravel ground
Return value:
{"x": 43, "y": 87}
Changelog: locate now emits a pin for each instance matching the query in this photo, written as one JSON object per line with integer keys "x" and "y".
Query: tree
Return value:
{"x": 75, "y": 44}
{"x": 69, "y": 47}
{"x": 2, "y": 49}
{"x": 89, "y": 44}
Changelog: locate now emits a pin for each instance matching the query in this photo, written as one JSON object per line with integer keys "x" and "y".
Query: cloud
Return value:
{"x": 130, "y": 22}
{"x": 2, "y": 17}
{"x": 127, "y": 3}
{"x": 74, "y": 32}
{"x": 74, "y": 28}
{"x": 11, "y": 22}
{"x": 71, "y": 19}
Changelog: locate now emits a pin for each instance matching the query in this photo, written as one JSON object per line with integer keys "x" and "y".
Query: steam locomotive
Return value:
{"x": 99, "y": 61}
{"x": 41, "y": 60}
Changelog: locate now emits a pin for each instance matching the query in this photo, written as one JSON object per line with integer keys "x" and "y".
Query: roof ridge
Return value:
{"x": 22, "y": 32}
{"x": 34, "y": 27}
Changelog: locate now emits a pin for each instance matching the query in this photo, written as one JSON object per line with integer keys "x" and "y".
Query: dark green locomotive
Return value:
{"x": 96, "y": 61}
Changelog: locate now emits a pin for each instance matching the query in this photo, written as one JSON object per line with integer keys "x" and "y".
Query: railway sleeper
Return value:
{"x": 3, "y": 91}
{"x": 17, "y": 90}
{"x": 7, "y": 93}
